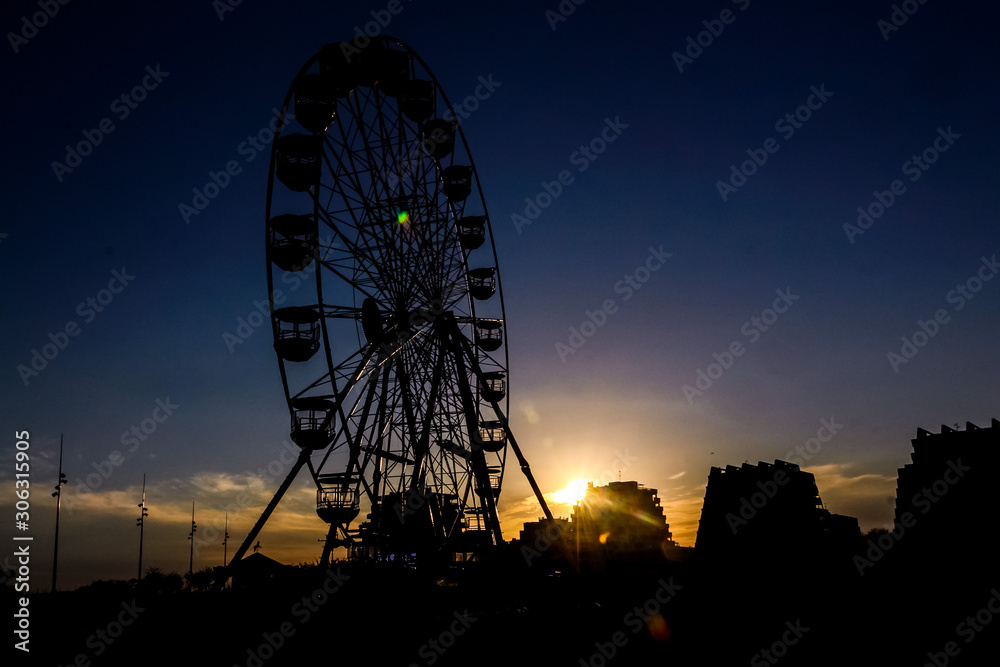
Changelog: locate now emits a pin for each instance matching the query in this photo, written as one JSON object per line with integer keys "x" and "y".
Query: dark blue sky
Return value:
{"x": 654, "y": 185}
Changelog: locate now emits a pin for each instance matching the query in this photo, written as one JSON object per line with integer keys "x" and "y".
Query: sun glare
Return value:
{"x": 573, "y": 492}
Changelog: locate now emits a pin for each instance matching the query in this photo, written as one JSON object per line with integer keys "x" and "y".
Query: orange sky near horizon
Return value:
{"x": 99, "y": 539}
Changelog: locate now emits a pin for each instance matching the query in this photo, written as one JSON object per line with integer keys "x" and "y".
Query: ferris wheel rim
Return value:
{"x": 322, "y": 303}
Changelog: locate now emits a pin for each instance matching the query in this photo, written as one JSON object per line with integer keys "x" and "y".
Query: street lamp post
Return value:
{"x": 58, "y": 496}
{"x": 194, "y": 529}
{"x": 225, "y": 542}
{"x": 140, "y": 522}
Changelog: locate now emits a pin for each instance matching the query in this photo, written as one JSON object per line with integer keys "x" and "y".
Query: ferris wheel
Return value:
{"x": 387, "y": 311}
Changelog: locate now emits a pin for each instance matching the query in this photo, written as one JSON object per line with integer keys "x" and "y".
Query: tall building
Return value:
{"x": 943, "y": 498}
{"x": 765, "y": 508}
{"x": 941, "y": 464}
{"x": 546, "y": 541}
{"x": 618, "y": 524}
{"x": 620, "y": 521}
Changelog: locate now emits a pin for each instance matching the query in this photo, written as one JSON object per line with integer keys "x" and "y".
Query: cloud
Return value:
{"x": 678, "y": 475}
{"x": 868, "y": 496}
{"x": 514, "y": 515}
{"x": 530, "y": 413}
{"x": 683, "y": 515}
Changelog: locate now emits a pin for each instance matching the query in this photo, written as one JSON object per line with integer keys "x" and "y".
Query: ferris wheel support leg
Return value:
{"x": 331, "y": 536}
{"x": 238, "y": 556}
{"x": 523, "y": 462}
{"x": 424, "y": 444}
{"x": 478, "y": 458}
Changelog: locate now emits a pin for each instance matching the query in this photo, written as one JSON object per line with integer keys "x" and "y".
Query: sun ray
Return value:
{"x": 574, "y": 491}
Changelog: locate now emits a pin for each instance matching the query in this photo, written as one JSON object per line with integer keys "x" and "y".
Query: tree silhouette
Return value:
{"x": 200, "y": 580}
{"x": 157, "y": 583}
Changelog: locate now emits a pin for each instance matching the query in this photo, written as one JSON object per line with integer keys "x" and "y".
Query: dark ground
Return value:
{"x": 901, "y": 612}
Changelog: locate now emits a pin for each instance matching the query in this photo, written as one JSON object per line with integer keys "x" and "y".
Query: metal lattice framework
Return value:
{"x": 392, "y": 340}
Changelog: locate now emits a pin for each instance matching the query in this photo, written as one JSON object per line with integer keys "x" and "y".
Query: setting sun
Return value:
{"x": 573, "y": 492}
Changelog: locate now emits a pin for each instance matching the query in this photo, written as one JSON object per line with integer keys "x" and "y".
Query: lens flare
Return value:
{"x": 403, "y": 217}
{"x": 659, "y": 629}
{"x": 573, "y": 492}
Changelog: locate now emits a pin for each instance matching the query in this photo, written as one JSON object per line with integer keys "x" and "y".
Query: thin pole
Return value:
{"x": 141, "y": 523}
{"x": 225, "y": 543}
{"x": 194, "y": 529}
{"x": 58, "y": 497}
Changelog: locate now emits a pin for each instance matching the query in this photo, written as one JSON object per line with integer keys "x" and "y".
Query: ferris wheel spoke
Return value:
{"x": 343, "y": 434}
{"x": 374, "y": 177}
{"x": 351, "y": 168}
{"x": 367, "y": 268}
{"x": 308, "y": 389}
{"x": 387, "y": 145}
{"x": 396, "y": 255}
{"x": 423, "y": 444}
{"x": 374, "y": 436}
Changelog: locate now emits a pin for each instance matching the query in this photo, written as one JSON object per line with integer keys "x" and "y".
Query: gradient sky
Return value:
{"x": 616, "y": 403}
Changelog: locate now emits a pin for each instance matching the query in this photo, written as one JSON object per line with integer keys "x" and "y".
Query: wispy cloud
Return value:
{"x": 867, "y": 496}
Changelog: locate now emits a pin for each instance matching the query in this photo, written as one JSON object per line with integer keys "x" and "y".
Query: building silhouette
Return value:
{"x": 943, "y": 497}
{"x": 620, "y": 524}
{"x": 933, "y": 484}
{"x": 767, "y": 508}
{"x": 620, "y": 520}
